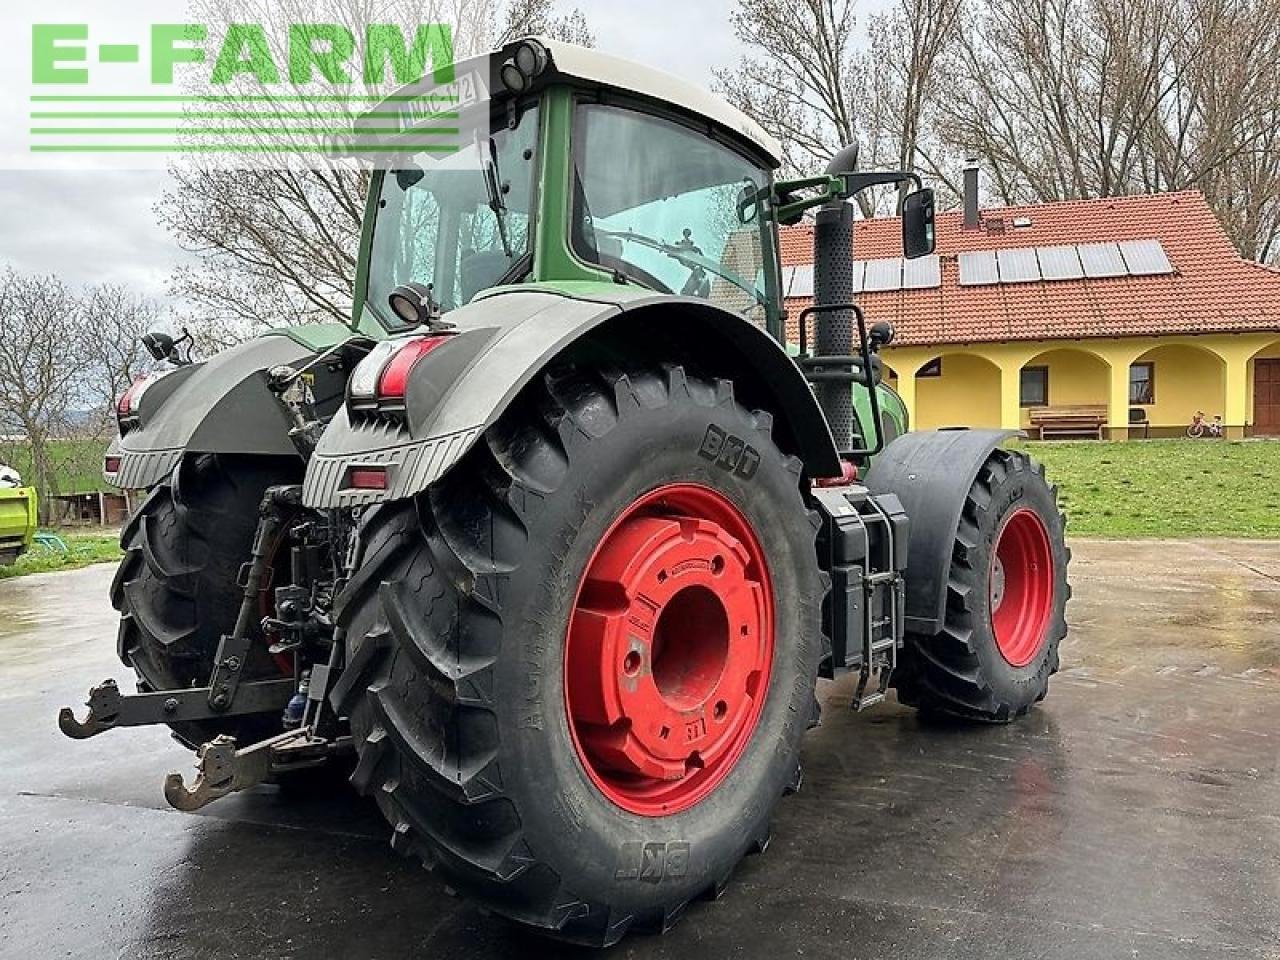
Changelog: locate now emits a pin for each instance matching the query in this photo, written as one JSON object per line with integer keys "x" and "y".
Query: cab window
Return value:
{"x": 665, "y": 206}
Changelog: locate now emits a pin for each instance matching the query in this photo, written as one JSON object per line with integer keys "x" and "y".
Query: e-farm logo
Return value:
{"x": 246, "y": 88}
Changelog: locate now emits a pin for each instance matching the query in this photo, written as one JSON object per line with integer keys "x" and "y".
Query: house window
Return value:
{"x": 931, "y": 369}
{"x": 1035, "y": 387}
{"x": 1142, "y": 384}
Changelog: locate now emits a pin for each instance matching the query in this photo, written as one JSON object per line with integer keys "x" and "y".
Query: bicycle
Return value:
{"x": 1201, "y": 427}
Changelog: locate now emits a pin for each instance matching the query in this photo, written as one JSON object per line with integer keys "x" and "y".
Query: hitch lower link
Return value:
{"x": 222, "y": 768}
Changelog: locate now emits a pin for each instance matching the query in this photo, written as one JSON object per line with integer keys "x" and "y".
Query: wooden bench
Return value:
{"x": 1071, "y": 421}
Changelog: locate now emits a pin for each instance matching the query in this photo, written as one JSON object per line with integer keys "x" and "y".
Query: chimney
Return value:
{"x": 972, "y": 221}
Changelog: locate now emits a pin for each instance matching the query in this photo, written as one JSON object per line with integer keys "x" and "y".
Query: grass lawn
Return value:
{"x": 1155, "y": 488}
{"x": 83, "y": 549}
{"x": 77, "y": 464}
{"x": 1166, "y": 488}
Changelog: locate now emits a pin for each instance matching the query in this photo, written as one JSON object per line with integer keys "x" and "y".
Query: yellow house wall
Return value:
{"x": 980, "y": 382}
{"x": 1075, "y": 378}
{"x": 967, "y": 394}
{"x": 1186, "y": 380}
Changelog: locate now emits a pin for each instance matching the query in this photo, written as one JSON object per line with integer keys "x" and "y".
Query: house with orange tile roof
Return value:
{"x": 1123, "y": 317}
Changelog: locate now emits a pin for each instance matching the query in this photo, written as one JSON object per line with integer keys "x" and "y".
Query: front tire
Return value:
{"x": 492, "y": 623}
{"x": 1006, "y": 601}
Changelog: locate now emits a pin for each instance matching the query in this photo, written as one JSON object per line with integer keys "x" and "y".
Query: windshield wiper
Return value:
{"x": 688, "y": 257}
{"x": 493, "y": 185}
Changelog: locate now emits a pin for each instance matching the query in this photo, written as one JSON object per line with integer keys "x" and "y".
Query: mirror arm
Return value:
{"x": 787, "y": 208}
{"x": 855, "y": 183}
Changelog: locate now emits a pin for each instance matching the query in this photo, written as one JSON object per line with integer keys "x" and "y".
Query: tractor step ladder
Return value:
{"x": 881, "y": 606}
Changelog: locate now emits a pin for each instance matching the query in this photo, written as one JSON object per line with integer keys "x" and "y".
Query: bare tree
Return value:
{"x": 279, "y": 246}
{"x": 811, "y": 84}
{"x": 523, "y": 18}
{"x": 908, "y": 43}
{"x": 109, "y": 326}
{"x": 1073, "y": 99}
{"x": 798, "y": 82}
{"x": 39, "y": 371}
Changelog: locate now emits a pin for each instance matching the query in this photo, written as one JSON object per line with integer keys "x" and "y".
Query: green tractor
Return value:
{"x": 552, "y": 545}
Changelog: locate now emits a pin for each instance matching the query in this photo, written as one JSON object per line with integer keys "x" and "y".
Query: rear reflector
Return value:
{"x": 367, "y": 478}
{"x": 111, "y": 465}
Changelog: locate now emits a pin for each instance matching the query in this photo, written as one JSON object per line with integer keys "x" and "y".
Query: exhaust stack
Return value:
{"x": 833, "y": 283}
{"x": 972, "y": 219}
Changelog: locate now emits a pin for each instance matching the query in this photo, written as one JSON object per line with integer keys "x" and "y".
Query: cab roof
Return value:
{"x": 588, "y": 66}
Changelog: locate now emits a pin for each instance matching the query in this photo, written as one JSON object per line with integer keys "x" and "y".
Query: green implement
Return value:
{"x": 17, "y": 522}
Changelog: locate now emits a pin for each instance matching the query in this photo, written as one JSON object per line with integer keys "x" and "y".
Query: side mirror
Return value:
{"x": 918, "y": 238}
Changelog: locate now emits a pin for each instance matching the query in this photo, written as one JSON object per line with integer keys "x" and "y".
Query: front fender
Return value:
{"x": 931, "y": 473}
{"x": 220, "y": 406}
{"x": 505, "y": 339}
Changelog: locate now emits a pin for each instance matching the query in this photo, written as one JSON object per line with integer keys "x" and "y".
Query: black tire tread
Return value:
{"x": 175, "y": 586}
{"x": 472, "y": 830}
{"x": 942, "y": 673}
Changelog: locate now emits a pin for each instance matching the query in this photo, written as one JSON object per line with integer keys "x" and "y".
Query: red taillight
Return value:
{"x": 384, "y": 373}
{"x": 131, "y": 399}
{"x": 367, "y": 478}
{"x": 125, "y": 403}
{"x": 395, "y": 375}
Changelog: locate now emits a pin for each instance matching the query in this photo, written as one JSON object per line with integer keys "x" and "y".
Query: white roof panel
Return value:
{"x": 1019, "y": 265}
{"x": 923, "y": 273}
{"x": 883, "y": 274}
{"x": 1060, "y": 263}
{"x": 798, "y": 281}
{"x": 1145, "y": 258}
{"x": 978, "y": 267}
{"x": 1102, "y": 260}
{"x": 859, "y": 274}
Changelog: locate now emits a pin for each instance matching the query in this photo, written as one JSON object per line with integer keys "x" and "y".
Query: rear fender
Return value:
{"x": 506, "y": 339}
{"x": 220, "y": 406}
{"x": 931, "y": 472}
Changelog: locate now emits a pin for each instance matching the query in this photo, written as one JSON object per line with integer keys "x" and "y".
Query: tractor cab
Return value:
{"x": 546, "y": 163}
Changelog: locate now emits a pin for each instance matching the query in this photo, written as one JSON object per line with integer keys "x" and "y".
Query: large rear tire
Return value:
{"x": 561, "y": 577}
{"x": 176, "y": 587}
{"x": 1006, "y": 601}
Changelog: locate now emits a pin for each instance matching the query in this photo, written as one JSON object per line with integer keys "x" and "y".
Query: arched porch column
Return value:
{"x": 1120, "y": 358}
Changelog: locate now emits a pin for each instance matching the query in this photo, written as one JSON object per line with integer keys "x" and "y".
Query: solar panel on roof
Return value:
{"x": 978, "y": 267}
{"x": 1018, "y": 265}
{"x": 923, "y": 273}
{"x": 1060, "y": 263}
{"x": 883, "y": 274}
{"x": 799, "y": 283}
{"x": 1145, "y": 258}
{"x": 859, "y": 268}
{"x": 1102, "y": 260}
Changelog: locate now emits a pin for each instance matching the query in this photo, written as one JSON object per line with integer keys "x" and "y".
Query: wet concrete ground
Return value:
{"x": 1136, "y": 814}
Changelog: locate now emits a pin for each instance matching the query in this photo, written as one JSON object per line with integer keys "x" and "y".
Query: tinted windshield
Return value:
{"x": 459, "y": 222}
{"x": 658, "y": 202}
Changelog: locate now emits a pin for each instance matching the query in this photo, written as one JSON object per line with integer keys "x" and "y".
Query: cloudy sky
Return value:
{"x": 91, "y": 226}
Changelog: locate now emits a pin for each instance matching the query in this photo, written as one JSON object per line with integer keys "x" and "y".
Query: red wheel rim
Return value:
{"x": 1022, "y": 587}
{"x": 669, "y": 649}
